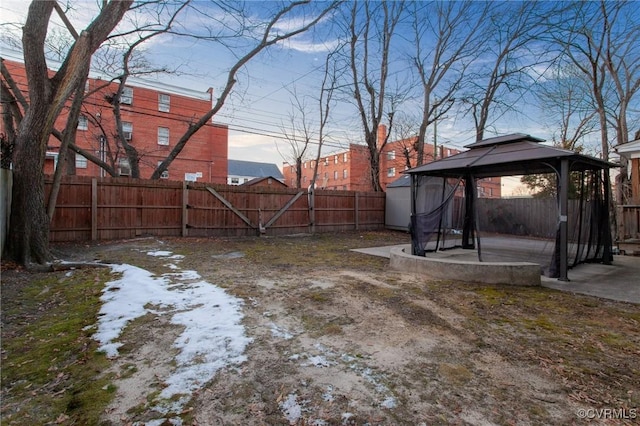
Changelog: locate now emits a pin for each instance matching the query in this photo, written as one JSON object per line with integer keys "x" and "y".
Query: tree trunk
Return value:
{"x": 28, "y": 239}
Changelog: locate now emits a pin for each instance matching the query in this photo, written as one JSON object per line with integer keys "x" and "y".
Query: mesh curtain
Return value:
{"x": 439, "y": 218}
{"x": 448, "y": 215}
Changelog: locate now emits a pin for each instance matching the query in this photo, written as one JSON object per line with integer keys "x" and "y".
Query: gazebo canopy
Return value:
{"x": 510, "y": 155}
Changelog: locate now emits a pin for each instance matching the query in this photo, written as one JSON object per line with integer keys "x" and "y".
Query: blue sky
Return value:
{"x": 261, "y": 102}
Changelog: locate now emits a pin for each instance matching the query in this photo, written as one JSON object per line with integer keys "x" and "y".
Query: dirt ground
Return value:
{"x": 338, "y": 338}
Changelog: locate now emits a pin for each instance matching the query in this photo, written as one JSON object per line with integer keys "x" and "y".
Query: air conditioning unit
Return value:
{"x": 127, "y": 135}
{"x": 124, "y": 171}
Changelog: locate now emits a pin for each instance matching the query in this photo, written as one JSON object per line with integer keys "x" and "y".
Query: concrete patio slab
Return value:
{"x": 619, "y": 281}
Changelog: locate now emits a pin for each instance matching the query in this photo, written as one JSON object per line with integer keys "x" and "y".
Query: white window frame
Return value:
{"x": 391, "y": 172}
{"x": 335, "y": 159}
{"x": 126, "y": 97}
{"x": 335, "y": 175}
{"x": 344, "y": 157}
{"x": 164, "y": 102}
{"x": 81, "y": 162}
{"x": 124, "y": 168}
{"x": 344, "y": 173}
{"x": 127, "y": 130}
{"x": 163, "y": 136}
{"x": 83, "y": 122}
{"x": 391, "y": 155}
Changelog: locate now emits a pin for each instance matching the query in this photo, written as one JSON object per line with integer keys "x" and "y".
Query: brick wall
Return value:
{"x": 205, "y": 154}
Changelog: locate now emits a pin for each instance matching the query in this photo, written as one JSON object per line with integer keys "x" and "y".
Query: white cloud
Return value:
{"x": 250, "y": 147}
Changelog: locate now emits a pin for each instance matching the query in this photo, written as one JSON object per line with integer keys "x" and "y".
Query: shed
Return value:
{"x": 397, "y": 213}
{"x": 509, "y": 155}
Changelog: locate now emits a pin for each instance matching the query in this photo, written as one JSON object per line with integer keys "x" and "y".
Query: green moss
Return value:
{"x": 51, "y": 368}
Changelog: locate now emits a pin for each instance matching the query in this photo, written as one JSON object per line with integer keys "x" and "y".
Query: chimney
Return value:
{"x": 382, "y": 134}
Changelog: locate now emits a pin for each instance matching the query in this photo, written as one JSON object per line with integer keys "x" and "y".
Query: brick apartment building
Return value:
{"x": 154, "y": 117}
{"x": 349, "y": 169}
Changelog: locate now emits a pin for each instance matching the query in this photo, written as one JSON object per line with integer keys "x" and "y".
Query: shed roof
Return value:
{"x": 515, "y": 154}
{"x": 253, "y": 169}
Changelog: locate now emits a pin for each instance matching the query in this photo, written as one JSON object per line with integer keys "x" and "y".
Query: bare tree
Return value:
{"x": 601, "y": 40}
{"x": 28, "y": 239}
{"x": 298, "y": 133}
{"x": 564, "y": 97}
{"x": 371, "y": 28}
{"x": 447, "y": 37}
{"x": 271, "y": 33}
{"x": 508, "y": 61}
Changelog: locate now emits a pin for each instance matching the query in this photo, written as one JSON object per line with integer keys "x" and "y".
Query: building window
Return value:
{"x": 344, "y": 157}
{"x": 164, "y": 102}
{"x": 293, "y": 169}
{"x": 326, "y": 161}
{"x": 127, "y": 95}
{"x": 235, "y": 181}
{"x": 391, "y": 172}
{"x": 124, "y": 169}
{"x": 127, "y": 130}
{"x": 86, "y": 86}
{"x": 335, "y": 175}
{"x": 81, "y": 162}
{"x": 83, "y": 123}
{"x": 304, "y": 165}
{"x": 344, "y": 174}
{"x": 163, "y": 136}
{"x": 335, "y": 159}
{"x": 304, "y": 179}
{"x": 326, "y": 175}
{"x": 391, "y": 155}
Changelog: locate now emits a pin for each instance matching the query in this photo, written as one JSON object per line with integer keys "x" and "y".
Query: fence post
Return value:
{"x": 94, "y": 209}
{"x": 185, "y": 200}
{"x": 357, "y": 210}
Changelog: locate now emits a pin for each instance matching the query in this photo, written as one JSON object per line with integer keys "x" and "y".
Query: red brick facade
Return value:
{"x": 350, "y": 169}
{"x": 156, "y": 116}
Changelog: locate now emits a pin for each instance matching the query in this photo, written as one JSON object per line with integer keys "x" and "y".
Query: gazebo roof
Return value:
{"x": 515, "y": 154}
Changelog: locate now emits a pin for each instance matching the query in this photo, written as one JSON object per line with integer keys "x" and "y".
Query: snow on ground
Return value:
{"x": 213, "y": 335}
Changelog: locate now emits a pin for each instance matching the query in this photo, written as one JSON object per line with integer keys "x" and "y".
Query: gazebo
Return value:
{"x": 446, "y": 189}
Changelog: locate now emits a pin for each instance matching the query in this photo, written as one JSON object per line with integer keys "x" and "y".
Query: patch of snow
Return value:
{"x": 159, "y": 253}
{"x": 184, "y": 275}
{"x": 291, "y": 409}
{"x": 213, "y": 336}
{"x": 317, "y": 361}
{"x": 389, "y": 402}
{"x": 345, "y": 417}
{"x": 280, "y": 332}
{"x": 171, "y": 266}
{"x": 328, "y": 395}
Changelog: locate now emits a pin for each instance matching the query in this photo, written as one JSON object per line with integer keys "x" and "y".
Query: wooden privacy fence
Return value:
{"x": 115, "y": 208}
{"x": 628, "y": 222}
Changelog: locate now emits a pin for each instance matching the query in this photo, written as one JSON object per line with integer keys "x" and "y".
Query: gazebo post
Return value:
{"x": 413, "y": 211}
{"x": 564, "y": 204}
